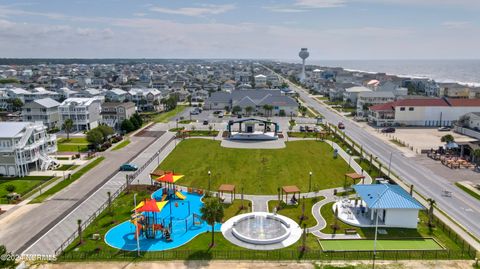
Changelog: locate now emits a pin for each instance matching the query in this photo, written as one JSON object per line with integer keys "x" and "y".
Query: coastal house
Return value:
{"x": 25, "y": 147}
{"x": 260, "y": 81}
{"x": 367, "y": 99}
{"x": 114, "y": 113}
{"x": 44, "y": 110}
{"x": 84, "y": 112}
{"x": 350, "y": 95}
{"x": 146, "y": 99}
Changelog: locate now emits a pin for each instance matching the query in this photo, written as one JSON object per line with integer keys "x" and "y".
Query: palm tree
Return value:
{"x": 431, "y": 204}
{"x": 212, "y": 212}
{"x": 236, "y": 109}
{"x": 67, "y": 127}
{"x": 248, "y": 110}
{"x": 79, "y": 223}
{"x": 303, "y": 110}
{"x": 476, "y": 157}
{"x": 268, "y": 110}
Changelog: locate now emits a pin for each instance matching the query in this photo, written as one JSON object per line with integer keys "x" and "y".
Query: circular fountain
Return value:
{"x": 261, "y": 230}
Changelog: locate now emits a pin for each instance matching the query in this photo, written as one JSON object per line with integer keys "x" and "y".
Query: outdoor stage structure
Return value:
{"x": 251, "y": 129}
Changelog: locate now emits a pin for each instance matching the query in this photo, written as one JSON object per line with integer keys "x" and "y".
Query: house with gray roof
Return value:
{"x": 256, "y": 99}
{"x": 44, "y": 110}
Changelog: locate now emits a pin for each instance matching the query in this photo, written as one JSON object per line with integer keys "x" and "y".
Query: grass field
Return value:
{"x": 64, "y": 183}
{"x": 260, "y": 171}
{"x": 22, "y": 185}
{"x": 395, "y": 244}
{"x": 467, "y": 190}
{"x": 295, "y": 211}
{"x": 74, "y": 144}
{"x": 165, "y": 116}
{"x": 67, "y": 167}
{"x": 121, "y": 145}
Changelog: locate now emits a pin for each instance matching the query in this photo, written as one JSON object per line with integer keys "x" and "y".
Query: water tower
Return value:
{"x": 303, "y": 55}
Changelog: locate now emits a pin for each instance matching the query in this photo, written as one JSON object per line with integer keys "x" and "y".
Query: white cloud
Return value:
{"x": 455, "y": 24}
{"x": 319, "y": 3}
{"x": 195, "y": 11}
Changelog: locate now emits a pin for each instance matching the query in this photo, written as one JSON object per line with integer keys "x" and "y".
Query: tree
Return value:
{"x": 431, "y": 204}
{"x": 127, "y": 126}
{"x": 268, "y": 110}
{"x": 476, "y": 157}
{"x": 284, "y": 85}
{"x": 106, "y": 131}
{"x": 138, "y": 118}
{"x": 79, "y": 228}
{"x": 189, "y": 99}
{"x": 248, "y": 110}
{"x": 236, "y": 109}
{"x": 447, "y": 138}
{"x": 303, "y": 110}
{"x": 212, "y": 212}
{"x": 7, "y": 261}
{"x": 135, "y": 122}
{"x": 67, "y": 127}
{"x": 17, "y": 104}
{"x": 95, "y": 137}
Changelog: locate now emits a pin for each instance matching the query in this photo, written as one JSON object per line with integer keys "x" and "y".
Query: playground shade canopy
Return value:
{"x": 150, "y": 205}
{"x": 169, "y": 177}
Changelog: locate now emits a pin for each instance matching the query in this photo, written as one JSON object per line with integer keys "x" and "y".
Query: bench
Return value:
{"x": 350, "y": 231}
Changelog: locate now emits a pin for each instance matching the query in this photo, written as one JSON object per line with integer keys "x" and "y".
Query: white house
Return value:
{"x": 385, "y": 205}
{"x": 25, "y": 146}
{"x": 260, "y": 81}
{"x": 367, "y": 99}
{"x": 351, "y": 94}
{"x": 84, "y": 112}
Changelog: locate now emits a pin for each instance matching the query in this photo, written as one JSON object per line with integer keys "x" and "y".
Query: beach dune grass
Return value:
{"x": 260, "y": 171}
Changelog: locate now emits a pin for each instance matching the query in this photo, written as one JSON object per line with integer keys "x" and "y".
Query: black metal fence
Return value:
{"x": 114, "y": 195}
{"x": 267, "y": 255}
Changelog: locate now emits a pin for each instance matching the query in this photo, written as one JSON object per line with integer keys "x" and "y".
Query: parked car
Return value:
{"x": 341, "y": 126}
{"x": 205, "y": 122}
{"x": 302, "y": 129}
{"x": 388, "y": 130}
{"x": 444, "y": 129}
{"x": 220, "y": 115}
{"x": 194, "y": 112}
{"x": 128, "y": 167}
{"x": 308, "y": 128}
{"x": 239, "y": 116}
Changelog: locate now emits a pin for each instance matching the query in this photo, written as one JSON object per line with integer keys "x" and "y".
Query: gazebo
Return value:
{"x": 229, "y": 188}
{"x": 290, "y": 189}
{"x": 247, "y": 130}
{"x": 353, "y": 176}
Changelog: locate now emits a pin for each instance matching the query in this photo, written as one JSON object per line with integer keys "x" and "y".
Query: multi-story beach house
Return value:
{"x": 44, "y": 110}
{"x": 113, "y": 113}
{"x": 84, "y": 112}
{"x": 24, "y": 147}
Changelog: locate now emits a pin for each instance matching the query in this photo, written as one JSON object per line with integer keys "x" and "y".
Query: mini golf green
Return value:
{"x": 384, "y": 244}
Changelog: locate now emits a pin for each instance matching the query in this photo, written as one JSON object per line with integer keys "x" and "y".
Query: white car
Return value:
{"x": 444, "y": 129}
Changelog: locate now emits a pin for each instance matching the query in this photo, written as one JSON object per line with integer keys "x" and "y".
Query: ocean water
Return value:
{"x": 461, "y": 71}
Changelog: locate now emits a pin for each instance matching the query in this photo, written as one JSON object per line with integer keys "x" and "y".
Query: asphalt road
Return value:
{"x": 461, "y": 206}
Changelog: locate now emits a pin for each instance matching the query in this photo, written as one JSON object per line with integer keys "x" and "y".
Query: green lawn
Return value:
{"x": 74, "y": 144}
{"x": 295, "y": 211}
{"x": 64, "y": 183}
{"x": 203, "y": 133}
{"x": 260, "y": 171}
{"x": 303, "y": 134}
{"x": 165, "y": 116}
{"x": 67, "y": 167}
{"x": 395, "y": 244}
{"x": 233, "y": 209}
{"x": 22, "y": 185}
{"x": 467, "y": 190}
{"x": 392, "y": 233}
{"x": 121, "y": 145}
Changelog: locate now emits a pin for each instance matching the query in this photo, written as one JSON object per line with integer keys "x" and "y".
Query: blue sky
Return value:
{"x": 275, "y": 29}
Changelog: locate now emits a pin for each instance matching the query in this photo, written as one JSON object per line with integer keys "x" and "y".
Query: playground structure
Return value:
{"x": 169, "y": 219}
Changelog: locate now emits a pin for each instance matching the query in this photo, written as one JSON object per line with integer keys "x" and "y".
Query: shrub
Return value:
{"x": 10, "y": 188}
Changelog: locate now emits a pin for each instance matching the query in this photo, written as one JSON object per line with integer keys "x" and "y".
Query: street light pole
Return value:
{"x": 209, "y": 180}
{"x": 310, "y": 182}
{"x": 136, "y": 229}
{"x": 390, "y": 163}
{"x": 375, "y": 240}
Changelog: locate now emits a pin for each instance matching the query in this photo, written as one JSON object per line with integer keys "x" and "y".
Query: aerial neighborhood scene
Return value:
{"x": 223, "y": 134}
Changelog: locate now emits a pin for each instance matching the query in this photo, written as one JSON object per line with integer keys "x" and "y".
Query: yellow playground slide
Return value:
{"x": 180, "y": 195}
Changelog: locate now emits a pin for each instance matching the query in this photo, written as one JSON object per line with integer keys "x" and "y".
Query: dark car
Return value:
{"x": 205, "y": 122}
{"x": 341, "y": 126}
{"x": 302, "y": 129}
{"x": 128, "y": 167}
{"x": 388, "y": 130}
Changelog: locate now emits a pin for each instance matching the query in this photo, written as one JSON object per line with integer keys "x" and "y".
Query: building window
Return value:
{"x": 410, "y": 109}
{"x": 402, "y": 109}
